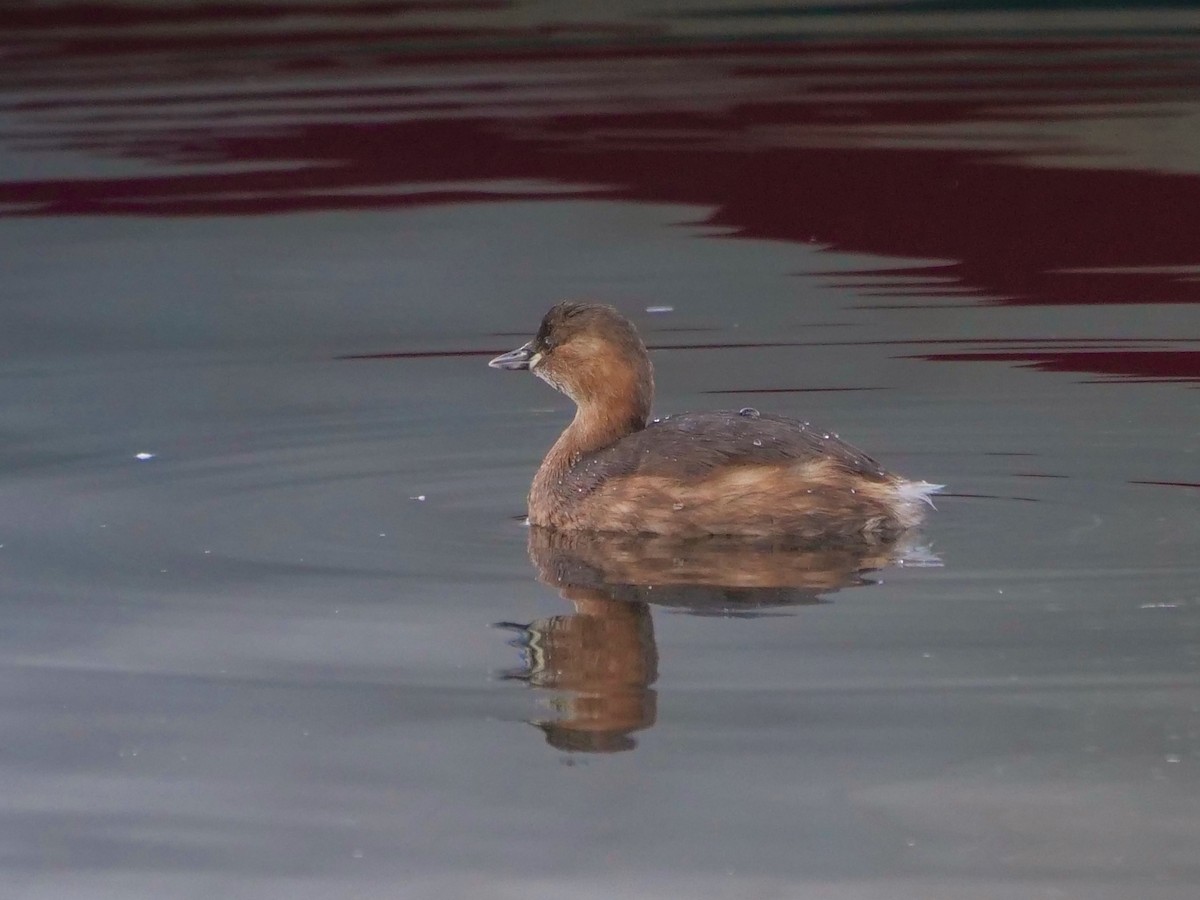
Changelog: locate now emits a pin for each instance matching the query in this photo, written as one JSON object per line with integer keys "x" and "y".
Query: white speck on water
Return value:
{"x": 676, "y": 506}
{"x": 420, "y": 498}
{"x": 757, "y": 442}
{"x": 382, "y": 534}
{"x": 357, "y": 854}
{"x": 999, "y": 591}
{"x": 660, "y": 309}
{"x": 207, "y": 552}
{"x": 1159, "y": 606}
{"x": 163, "y": 571}
{"x": 142, "y": 457}
{"x": 1174, "y": 758}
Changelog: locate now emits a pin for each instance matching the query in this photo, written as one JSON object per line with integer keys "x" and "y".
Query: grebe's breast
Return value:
{"x": 695, "y": 446}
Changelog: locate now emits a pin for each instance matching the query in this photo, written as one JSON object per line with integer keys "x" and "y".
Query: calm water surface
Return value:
{"x": 260, "y": 496}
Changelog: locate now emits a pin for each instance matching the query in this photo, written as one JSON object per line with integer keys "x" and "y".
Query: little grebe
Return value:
{"x": 728, "y": 473}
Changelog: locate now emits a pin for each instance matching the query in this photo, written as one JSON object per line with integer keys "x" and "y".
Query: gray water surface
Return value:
{"x": 259, "y": 511}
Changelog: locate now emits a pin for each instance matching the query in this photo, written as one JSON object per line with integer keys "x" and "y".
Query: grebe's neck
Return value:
{"x": 610, "y": 408}
{"x": 599, "y": 423}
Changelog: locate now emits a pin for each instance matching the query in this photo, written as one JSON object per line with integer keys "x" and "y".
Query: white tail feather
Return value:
{"x": 910, "y": 496}
{"x": 918, "y": 491}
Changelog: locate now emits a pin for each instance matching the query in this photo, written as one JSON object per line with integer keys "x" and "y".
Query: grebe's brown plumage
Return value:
{"x": 732, "y": 473}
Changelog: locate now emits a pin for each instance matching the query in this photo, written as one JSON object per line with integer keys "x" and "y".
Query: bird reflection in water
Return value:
{"x": 602, "y": 660}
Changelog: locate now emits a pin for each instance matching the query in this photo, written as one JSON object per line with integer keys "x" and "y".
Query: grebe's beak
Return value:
{"x": 516, "y": 360}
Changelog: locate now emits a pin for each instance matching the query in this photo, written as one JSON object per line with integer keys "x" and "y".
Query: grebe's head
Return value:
{"x": 589, "y": 352}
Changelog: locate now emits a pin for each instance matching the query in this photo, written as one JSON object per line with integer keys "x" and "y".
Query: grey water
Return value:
{"x": 260, "y": 504}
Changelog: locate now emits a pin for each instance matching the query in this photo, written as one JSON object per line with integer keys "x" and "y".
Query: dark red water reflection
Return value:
{"x": 1126, "y": 360}
{"x": 908, "y": 149}
{"x": 1181, "y": 366}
